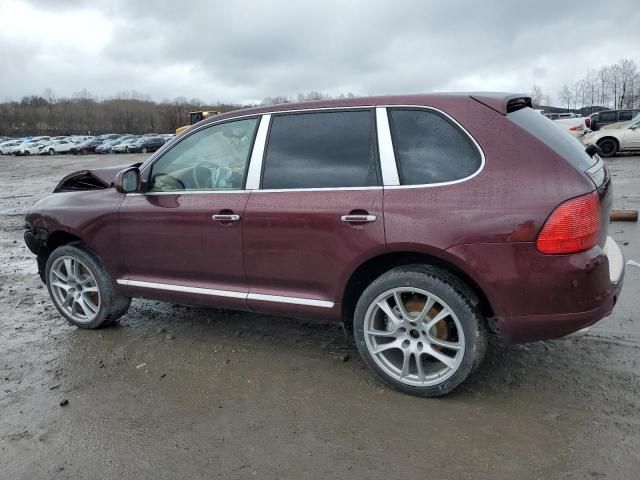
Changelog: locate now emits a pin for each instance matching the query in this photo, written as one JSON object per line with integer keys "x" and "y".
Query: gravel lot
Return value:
{"x": 178, "y": 392}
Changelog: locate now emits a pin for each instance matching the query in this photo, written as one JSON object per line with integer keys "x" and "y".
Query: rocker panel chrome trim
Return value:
{"x": 226, "y": 293}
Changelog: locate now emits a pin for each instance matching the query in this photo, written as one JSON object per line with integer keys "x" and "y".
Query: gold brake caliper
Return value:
{"x": 414, "y": 305}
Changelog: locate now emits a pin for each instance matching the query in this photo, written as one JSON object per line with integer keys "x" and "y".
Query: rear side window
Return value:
{"x": 431, "y": 149}
{"x": 558, "y": 139}
{"x": 321, "y": 150}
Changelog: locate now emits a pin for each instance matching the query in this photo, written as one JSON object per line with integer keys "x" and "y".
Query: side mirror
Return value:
{"x": 127, "y": 180}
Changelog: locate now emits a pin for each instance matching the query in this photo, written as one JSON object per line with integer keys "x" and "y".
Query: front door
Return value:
{"x": 182, "y": 238}
{"x": 318, "y": 213}
{"x": 631, "y": 139}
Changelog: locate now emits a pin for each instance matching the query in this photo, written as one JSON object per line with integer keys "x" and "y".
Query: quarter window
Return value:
{"x": 214, "y": 158}
{"x": 321, "y": 150}
{"x": 430, "y": 149}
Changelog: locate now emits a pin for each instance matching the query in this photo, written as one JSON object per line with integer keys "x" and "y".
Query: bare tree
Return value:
{"x": 565, "y": 96}
{"x": 537, "y": 97}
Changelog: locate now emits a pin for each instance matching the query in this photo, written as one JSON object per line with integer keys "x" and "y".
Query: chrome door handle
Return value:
{"x": 358, "y": 218}
{"x": 226, "y": 218}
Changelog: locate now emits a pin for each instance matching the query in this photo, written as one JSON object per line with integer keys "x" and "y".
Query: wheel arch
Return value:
{"x": 53, "y": 240}
{"x": 372, "y": 268}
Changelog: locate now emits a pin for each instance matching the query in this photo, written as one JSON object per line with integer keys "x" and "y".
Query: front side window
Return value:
{"x": 430, "y": 149}
{"x": 625, "y": 116}
{"x": 321, "y": 150}
{"x": 214, "y": 158}
{"x": 608, "y": 116}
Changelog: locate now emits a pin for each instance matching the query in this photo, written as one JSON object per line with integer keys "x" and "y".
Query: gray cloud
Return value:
{"x": 243, "y": 51}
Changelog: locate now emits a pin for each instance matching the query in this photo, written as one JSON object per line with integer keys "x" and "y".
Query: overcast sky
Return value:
{"x": 244, "y": 51}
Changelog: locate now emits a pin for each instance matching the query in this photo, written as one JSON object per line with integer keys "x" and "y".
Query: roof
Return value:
{"x": 497, "y": 101}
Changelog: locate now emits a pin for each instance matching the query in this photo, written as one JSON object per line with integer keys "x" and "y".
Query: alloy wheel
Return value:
{"x": 74, "y": 289}
{"x": 414, "y": 336}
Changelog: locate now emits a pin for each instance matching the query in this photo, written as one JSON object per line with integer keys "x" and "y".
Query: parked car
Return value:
{"x": 576, "y": 126}
{"x": 560, "y": 116}
{"x": 56, "y": 146}
{"x": 109, "y": 136}
{"x": 146, "y": 145}
{"x": 79, "y": 139}
{"x": 123, "y": 147}
{"x": 28, "y": 148}
{"x": 106, "y": 146}
{"x": 352, "y": 211}
{"x": 607, "y": 117}
{"x": 7, "y": 147}
{"x": 616, "y": 138}
{"x": 88, "y": 146}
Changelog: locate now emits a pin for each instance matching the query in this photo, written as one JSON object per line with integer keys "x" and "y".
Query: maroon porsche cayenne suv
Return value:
{"x": 423, "y": 223}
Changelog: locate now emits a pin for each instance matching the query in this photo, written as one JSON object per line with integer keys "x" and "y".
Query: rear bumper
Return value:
{"x": 529, "y": 328}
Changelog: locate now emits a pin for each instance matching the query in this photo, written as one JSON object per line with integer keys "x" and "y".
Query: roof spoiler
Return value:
{"x": 503, "y": 103}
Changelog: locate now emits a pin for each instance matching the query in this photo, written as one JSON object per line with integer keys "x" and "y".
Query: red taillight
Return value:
{"x": 576, "y": 128}
{"x": 587, "y": 122}
{"x": 573, "y": 227}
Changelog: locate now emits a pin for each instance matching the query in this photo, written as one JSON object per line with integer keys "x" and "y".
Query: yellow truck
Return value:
{"x": 195, "y": 117}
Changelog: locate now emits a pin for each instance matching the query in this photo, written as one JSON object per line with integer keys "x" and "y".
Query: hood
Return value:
{"x": 94, "y": 179}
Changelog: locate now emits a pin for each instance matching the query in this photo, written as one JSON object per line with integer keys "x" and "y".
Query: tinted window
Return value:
{"x": 321, "y": 150}
{"x": 430, "y": 149}
{"x": 558, "y": 139}
{"x": 214, "y": 158}
{"x": 608, "y": 117}
{"x": 625, "y": 116}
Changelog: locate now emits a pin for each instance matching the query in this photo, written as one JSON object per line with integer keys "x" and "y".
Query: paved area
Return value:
{"x": 179, "y": 392}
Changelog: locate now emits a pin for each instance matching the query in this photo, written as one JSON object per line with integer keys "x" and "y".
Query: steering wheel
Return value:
{"x": 170, "y": 181}
{"x": 202, "y": 177}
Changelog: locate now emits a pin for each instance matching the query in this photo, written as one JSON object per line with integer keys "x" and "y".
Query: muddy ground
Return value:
{"x": 177, "y": 392}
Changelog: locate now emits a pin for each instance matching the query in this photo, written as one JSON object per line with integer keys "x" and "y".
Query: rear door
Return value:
{"x": 317, "y": 214}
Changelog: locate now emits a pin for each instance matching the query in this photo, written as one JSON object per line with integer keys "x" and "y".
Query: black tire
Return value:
{"x": 460, "y": 299}
{"x": 52, "y": 151}
{"x": 609, "y": 147}
{"x": 112, "y": 304}
{"x": 27, "y": 152}
{"x": 144, "y": 150}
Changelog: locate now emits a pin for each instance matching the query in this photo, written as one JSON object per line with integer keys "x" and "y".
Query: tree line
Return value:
{"x": 126, "y": 112}
{"x": 613, "y": 86}
{"x": 85, "y": 114}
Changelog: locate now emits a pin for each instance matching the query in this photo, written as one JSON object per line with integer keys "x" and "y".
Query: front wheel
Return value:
{"x": 608, "y": 147}
{"x": 144, "y": 150}
{"x": 52, "y": 151}
{"x": 418, "y": 328}
{"x": 81, "y": 289}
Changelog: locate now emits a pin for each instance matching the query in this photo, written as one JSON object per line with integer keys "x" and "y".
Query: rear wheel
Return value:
{"x": 609, "y": 147}
{"x": 81, "y": 289}
{"x": 418, "y": 329}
